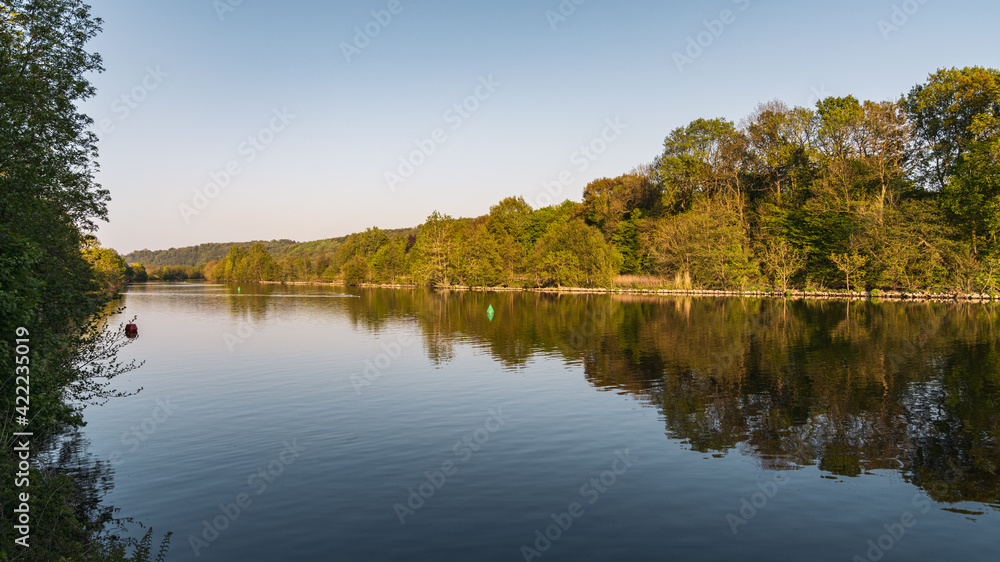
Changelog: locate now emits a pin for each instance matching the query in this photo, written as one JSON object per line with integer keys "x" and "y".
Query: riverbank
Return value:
{"x": 791, "y": 294}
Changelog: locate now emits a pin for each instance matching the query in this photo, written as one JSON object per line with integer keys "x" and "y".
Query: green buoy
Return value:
{"x": 238, "y": 289}
{"x": 489, "y": 313}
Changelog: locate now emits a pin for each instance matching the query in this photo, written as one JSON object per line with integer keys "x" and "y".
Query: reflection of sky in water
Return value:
{"x": 860, "y": 414}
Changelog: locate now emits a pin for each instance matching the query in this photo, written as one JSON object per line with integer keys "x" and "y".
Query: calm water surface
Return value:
{"x": 318, "y": 423}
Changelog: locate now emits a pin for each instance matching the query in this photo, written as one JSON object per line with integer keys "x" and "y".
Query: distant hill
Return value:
{"x": 329, "y": 245}
{"x": 204, "y": 253}
{"x": 198, "y": 255}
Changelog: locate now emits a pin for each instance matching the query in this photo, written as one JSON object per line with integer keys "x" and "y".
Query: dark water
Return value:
{"x": 625, "y": 428}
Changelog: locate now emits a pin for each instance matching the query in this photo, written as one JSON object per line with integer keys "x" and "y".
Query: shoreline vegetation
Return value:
{"x": 793, "y": 294}
{"x": 849, "y": 197}
{"x": 57, "y": 291}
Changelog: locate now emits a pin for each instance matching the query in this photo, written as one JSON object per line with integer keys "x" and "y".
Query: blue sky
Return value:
{"x": 223, "y": 120}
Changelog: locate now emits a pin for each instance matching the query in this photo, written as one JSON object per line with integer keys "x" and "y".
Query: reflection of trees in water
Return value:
{"x": 93, "y": 478}
{"x": 71, "y": 517}
{"x": 909, "y": 387}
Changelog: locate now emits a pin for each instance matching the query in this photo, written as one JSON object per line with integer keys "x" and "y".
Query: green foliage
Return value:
{"x": 481, "y": 257}
{"x": 575, "y": 254}
{"x": 707, "y": 243}
{"x": 136, "y": 273}
{"x": 201, "y": 254}
{"x": 945, "y": 111}
{"x": 173, "y": 273}
{"x": 627, "y": 241}
{"x": 389, "y": 262}
{"x": 370, "y": 241}
{"x": 956, "y": 114}
{"x": 357, "y": 270}
{"x": 55, "y": 282}
{"x": 544, "y": 219}
{"x": 115, "y": 552}
{"x": 110, "y": 269}
{"x": 780, "y": 151}
{"x": 699, "y": 160}
{"x": 435, "y": 250}
{"x": 509, "y": 222}
{"x": 241, "y": 264}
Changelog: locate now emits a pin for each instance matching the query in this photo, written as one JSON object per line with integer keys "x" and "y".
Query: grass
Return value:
{"x": 647, "y": 282}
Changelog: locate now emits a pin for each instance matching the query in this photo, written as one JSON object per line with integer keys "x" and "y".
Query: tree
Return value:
{"x": 707, "y": 243}
{"x": 435, "y": 248}
{"x": 109, "y": 268}
{"x": 259, "y": 265}
{"x": 509, "y": 222}
{"x": 780, "y": 141}
{"x": 481, "y": 257}
{"x": 783, "y": 261}
{"x": 944, "y": 111}
{"x": 390, "y": 260}
{"x": 850, "y": 263}
{"x": 136, "y": 273}
{"x": 48, "y": 196}
{"x": 702, "y": 159}
{"x": 574, "y": 253}
{"x": 49, "y": 200}
{"x": 357, "y": 270}
{"x": 544, "y": 219}
{"x": 607, "y": 202}
{"x": 235, "y": 264}
{"x": 369, "y": 241}
{"x": 837, "y": 138}
{"x": 887, "y": 150}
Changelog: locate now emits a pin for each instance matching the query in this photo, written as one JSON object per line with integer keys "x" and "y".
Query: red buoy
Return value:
{"x": 131, "y": 331}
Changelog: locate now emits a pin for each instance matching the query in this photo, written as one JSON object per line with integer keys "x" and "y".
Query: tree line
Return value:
{"x": 56, "y": 288}
{"x": 196, "y": 255}
{"x": 848, "y": 194}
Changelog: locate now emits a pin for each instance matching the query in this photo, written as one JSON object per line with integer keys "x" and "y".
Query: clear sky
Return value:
{"x": 230, "y": 120}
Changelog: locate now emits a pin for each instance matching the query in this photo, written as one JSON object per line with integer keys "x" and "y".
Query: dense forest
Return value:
{"x": 195, "y": 255}
{"x": 56, "y": 289}
{"x": 848, "y": 194}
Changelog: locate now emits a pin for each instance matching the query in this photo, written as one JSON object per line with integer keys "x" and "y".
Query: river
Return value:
{"x": 333, "y": 423}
